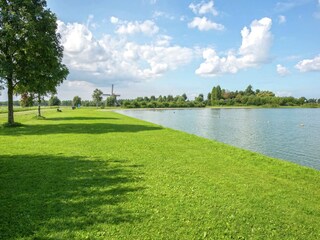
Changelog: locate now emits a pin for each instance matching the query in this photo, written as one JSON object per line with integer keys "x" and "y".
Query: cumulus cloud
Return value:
{"x": 203, "y": 24}
{"x": 309, "y": 65}
{"x": 114, "y": 20}
{"x": 254, "y": 50}
{"x": 204, "y": 8}
{"x": 163, "y": 40}
{"x": 147, "y": 27}
{"x": 117, "y": 58}
{"x": 282, "y": 71}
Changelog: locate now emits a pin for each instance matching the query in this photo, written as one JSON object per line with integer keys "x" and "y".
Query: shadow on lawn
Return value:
{"x": 89, "y": 128}
{"x": 55, "y": 194}
{"x": 80, "y": 118}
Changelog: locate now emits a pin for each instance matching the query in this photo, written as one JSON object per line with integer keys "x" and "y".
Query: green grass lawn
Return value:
{"x": 92, "y": 174}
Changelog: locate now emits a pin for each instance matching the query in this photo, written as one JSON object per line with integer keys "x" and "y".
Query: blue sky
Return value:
{"x": 161, "y": 47}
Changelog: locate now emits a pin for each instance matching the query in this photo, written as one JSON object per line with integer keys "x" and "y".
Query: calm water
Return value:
{"x": 290, "y": 134}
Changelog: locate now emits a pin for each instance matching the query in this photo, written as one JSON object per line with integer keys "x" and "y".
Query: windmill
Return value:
{"x": 112, "y": 95}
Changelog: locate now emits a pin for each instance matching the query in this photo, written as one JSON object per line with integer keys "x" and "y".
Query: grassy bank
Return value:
{"x": 91, "y": 174}
{"x": 4, "y": 109}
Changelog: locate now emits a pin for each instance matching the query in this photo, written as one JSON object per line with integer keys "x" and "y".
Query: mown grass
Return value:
{"x": 92, "y": 174}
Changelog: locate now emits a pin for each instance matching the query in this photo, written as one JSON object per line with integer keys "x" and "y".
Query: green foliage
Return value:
{"x": 216, "y": 95}
{"x": 200, "y": 98}
{"x": 76, "y": 101}
{"x": 93, "y": 174}
{"x": 54, "y": 101}
{"x": 249, "y": 97}
{"x": 30, "y": 51}
{"x": 179, "y": 101}
{"x": 111, "y": 101}
{"x": 184, "y": 96}
{"x": 26, "y": 100}
{"x": 97, "y": 97}
{"x": 249, "y": 91}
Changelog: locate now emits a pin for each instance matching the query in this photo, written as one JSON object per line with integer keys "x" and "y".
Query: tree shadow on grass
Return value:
{"x": 81, "y": 128}
{"x": 81, "y": 118}
{"x": 47, "y": 195}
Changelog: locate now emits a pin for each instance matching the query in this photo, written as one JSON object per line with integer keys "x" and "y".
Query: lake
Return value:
{"x": 289, "y": 134}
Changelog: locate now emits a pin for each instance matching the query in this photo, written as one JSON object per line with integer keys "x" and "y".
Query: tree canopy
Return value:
{"x": 30, "y": 49}
{"x": 76, "y": 101}
{"x": 97, "y": 96}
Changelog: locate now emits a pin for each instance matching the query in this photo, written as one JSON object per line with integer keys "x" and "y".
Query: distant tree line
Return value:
{"x": 251, "y": 97}
{"x": 217, "y": 97}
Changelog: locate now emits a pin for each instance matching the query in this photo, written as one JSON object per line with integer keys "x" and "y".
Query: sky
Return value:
{"x": 161, "y": 47}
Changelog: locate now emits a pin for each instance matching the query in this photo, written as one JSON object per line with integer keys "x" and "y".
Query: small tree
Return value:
{"x": 76, "y": 101}
{"x": 209, "y": 99}
{"x": 249, "y": 91}
{"x": 215, "y": 95}
{"x": 54, "y": 101}
{"x": 97, "y": 96}
{"x": 111, "y": 101}
{"x": 184, "y": 96}
{"x": 26, "y": 100}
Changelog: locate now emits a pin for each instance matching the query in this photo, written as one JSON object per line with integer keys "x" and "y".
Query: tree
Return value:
{"x": 170, "y": 98}
{"x": 54, "y": 101}
{"x": 30, "y": 50}
{"x": 97, "y": 96}
{"x": 111, "y": 101}
{"x": 184, "y": 96}
{"x": 26, "y": 100}
{"x": 249, "y": 91}
{"x": 215, "y": 94}
{"x": 200, "y": 98}
{"x": 76, "y": 101}
{"x": 209, "y": 98}
{"x": 46, "y": 70}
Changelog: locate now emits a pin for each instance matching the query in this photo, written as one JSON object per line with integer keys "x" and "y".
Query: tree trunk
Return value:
{"x": 10, "y": 101}
{"x": 39, "y": 102}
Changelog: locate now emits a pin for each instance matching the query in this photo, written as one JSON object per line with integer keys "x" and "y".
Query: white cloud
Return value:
{"x": 117, "y": 59}
{"x": 204, "y": 8}
{"x": 288, "y": 5}
{"x": 147, "y": 27}
{"x": 203, "y": 24}
{"x": 76, "y": 37}
{"x": 308, "y": 65}
{"x": 183, "y": 18}
{"x": 79, "y": 84}
{"x": 69, "y": 89}
{"x": 163, "y": 40}
{"x": 282, "y": 19}
{"x": 282, "y": 71}
{"x": 114, "y": 20}
{"x": 254, "y": 50}
{"x": 158, "y": 14}
{"x": 90, "y": 22}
